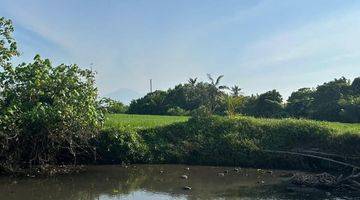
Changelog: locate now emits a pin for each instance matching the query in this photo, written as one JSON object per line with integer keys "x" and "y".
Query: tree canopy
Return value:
{"x": 336, "y": 100}
{"x": 48, "y": 114}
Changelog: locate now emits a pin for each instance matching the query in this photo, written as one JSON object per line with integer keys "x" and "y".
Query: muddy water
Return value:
{"x": 144, "y": 182}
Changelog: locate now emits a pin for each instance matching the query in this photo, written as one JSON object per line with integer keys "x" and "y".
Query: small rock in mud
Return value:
{"x": 187, "y": 168}
{"x": 187, "y": 188}
{"x": 184, "y": 176}
{"x": 221, "y": 174}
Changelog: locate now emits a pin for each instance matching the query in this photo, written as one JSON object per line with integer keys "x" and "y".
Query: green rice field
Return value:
{"x": 150, "y": 121}
{"x": 141, "y": 121}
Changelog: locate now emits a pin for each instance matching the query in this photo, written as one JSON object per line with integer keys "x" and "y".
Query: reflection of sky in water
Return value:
{"x": 141, "y": 195}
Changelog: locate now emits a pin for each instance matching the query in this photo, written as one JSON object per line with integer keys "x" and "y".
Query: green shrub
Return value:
{"x": 112, "y": 106}
{"x": 120, "y": 145}
{"x": 177, "y": 111}
{"x": 244, "y": 141}
{"x": 47, "y": 114}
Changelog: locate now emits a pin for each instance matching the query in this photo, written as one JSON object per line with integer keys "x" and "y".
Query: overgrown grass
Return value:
{"x": 337, "y": 127}
{"x": 238, "y": 141}
{"x": 141, "y": 121}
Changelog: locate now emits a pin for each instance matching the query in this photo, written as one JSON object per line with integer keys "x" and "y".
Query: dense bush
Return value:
{"x": 177, "y": 112}
{"x": 186, "y": 97}
{"x": 120, "y": 145}
{"x": 47, "y": 114}
{"x": 152, "y": 104}
{"x": 235, "y": 141}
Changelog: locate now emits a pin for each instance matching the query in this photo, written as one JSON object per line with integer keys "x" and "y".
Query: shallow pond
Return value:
{"x": 156, "y": 182}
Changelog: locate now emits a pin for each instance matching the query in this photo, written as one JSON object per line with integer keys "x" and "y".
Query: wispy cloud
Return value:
{"x": 253, "y": 44}
{"x": 319, "y": 41}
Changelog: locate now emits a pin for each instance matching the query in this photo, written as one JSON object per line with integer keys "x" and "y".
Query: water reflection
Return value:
{"x": 153, "y": 182}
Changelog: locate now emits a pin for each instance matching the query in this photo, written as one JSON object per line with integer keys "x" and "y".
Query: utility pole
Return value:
{"x": 151, "y": 85}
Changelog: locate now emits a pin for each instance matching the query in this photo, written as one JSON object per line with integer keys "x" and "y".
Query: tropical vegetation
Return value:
{"x": 51, "y": 115}
{"x": 337, "y": 100}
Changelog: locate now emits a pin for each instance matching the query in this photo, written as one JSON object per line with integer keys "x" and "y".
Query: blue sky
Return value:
{"x": 257, "y": 44}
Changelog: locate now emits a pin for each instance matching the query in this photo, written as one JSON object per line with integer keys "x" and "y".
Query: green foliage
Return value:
{"x": 326, "y": 97}
{"x": 350, "y": 111}
{"x": 268, "y": 104}
{"x": 45, "y": 110}
{"x": 152, "y": 104}
{"x": 234, "y": 104}
{"x": 8, "y": 47}
{"x": 336, "y": 100}
{"x": 187, "y": 97}
{"x": 332, "y": 101}
{"x": 113, "y": 106}
{"x": 177, "y": 111}
{"x": 215, "y": 140}
{"x": 299, "y": 103}
{"x": 120, "y": 145}
{"x": 355, "y": 87}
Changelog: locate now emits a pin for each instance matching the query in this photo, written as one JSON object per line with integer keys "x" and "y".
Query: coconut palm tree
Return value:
{"x": 216, "y": 84}
{"x": 214, "y": 91}
{"x": 192, "y": 81}
{"x": 235, "y": 90}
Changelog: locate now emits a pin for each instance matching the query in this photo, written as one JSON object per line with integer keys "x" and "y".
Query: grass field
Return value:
{"x": 337, "y": 126}
{"x": 150, "y": 121}
{"x": 141, "y": 121}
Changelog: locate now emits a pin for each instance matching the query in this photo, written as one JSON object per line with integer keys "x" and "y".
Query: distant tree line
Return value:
{"x": 337, "y": 100}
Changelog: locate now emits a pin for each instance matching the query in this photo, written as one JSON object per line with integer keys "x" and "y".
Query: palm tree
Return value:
{"x": 192, "y": 81}
{"x": 214, "y": 91}
{"x": 235, "y": 90}
{"x": 216, "y": 83}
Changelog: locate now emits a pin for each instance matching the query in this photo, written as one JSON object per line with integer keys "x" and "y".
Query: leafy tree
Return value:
{"x": 113, "y": 106}
{"x": 8, "y": 47}
{"x": 268, "y": 104}
{"x": 46, "y": 113}
{"x": 350, "y": 111}
{"x": 300, "y": 102}
{"x": 152, "y": 103}
{"x": 326, "y": 99}
{"x": 355, "y": 86}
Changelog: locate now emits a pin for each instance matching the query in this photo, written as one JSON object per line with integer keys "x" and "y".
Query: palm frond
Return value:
{"x": 219, "y": 79}
{"x": 210, "y": 78}
{"x": 223, "y": 87}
